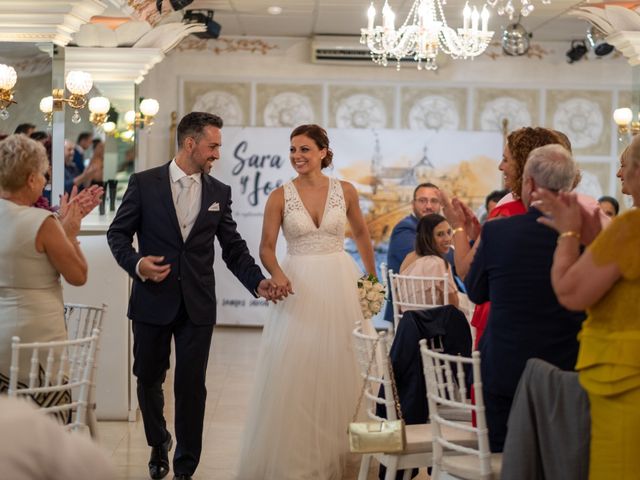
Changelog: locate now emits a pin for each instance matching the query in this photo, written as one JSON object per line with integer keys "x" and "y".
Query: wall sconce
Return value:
{"x": 79, "y": 84}
{"x": 109, "y": 127}
{"x": 99, "y": 108}
{"x": 624, "y": 120}
{"x": 149, "y": 108}
{"x": 46, "y": 107}
{"x": 8, "y": 78}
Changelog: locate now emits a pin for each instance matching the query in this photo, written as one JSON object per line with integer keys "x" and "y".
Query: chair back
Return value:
{"x": 81, "y": 320}
{"x": 375, "y": 370}
{"x": 384, "y": 274}
{"x": 446, "y": 390}
{"x": 67, "y": 367}
{"x": 410, "y": 292}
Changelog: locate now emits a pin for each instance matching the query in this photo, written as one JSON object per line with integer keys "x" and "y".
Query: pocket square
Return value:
{"x": 215, "y": 207}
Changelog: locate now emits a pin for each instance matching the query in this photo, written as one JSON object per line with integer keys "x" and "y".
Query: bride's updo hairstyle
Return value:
{"x": 319, "y": 136}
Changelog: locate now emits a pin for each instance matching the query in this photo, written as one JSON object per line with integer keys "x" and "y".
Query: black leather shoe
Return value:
{"x": 182, "y": 477}
{"x": 159, "y": 460}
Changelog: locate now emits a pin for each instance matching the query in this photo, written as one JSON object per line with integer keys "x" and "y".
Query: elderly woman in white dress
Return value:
{"x": 35, "y": 249}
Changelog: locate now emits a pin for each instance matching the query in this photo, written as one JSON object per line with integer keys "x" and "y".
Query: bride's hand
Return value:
{"x": 283, "y": 285}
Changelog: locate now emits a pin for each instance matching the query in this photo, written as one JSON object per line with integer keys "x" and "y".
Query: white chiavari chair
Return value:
{"x": 54, "y": 368}
{"x": 81, "y": 320}
{"x": 446, "y": 390}
{"x": 416, "y": 293}
{"x": 417, "y": 453}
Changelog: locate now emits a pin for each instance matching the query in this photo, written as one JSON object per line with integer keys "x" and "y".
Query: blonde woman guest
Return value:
{"x": 605, "y": 280}
{"x": 35, "y": 249}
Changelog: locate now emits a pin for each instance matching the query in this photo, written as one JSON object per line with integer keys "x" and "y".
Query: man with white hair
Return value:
{"x": 512, "y": 269}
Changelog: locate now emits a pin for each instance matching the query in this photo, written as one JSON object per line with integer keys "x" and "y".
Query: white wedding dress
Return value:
{"x": 307, "y": 384}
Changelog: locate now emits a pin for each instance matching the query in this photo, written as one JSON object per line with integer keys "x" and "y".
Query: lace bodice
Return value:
{"x": 302, "y": 235}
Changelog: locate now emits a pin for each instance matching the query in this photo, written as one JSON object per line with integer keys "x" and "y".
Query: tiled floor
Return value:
{"x": 229, "y": 379}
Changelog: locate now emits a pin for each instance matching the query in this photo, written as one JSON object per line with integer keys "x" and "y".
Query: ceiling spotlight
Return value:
{"x": 595, "y": 39}
{"x": 274, "y": 10}
{"x": 515, "y": 40}
{"x": 577, "y": 51}
{"x": 175, "y": 4}
{"x": 204, "y": 16}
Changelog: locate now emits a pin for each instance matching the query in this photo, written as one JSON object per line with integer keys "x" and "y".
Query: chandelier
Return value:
{"x": 507, "y": 7}
{"x": 424, "y": 33}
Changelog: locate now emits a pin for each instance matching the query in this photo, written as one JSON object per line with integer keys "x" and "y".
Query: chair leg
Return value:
{"x": 392, "y": 468}
{"x": 435, "y": 472}
{"x": 364, "y": 467}
{"x": 407, "y": 474}
{"x": 92, "y": 423}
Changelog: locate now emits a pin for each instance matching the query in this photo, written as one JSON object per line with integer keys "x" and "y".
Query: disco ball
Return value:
{"x": 515, "y": 40}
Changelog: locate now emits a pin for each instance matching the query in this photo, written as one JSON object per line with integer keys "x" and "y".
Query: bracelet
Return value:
{"x": 457, "y": 230}
{"x": 569, "y": 233}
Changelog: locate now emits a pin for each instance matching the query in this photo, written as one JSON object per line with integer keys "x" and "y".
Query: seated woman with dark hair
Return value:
{"x": 433, "y": 240}
{"x": 609, "y": 206}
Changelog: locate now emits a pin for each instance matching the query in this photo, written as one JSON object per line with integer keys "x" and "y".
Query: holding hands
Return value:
{"x": 275, "y": 289}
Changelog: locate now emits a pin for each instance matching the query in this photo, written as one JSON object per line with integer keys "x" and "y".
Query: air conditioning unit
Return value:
{"x": 341, "y": 50}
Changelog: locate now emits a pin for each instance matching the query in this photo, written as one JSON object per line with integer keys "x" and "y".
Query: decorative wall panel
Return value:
{"x": 280, "y": 105}
{"x": 433, "y": 109}
{"x": 585, "y": 116}
{"x": 231, "y": 101}
{"x": 357, "y": 107}
{"x": 519, "y": 107}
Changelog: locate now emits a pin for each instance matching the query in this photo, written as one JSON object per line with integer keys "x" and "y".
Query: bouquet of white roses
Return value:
{"x": 372, "y": 294}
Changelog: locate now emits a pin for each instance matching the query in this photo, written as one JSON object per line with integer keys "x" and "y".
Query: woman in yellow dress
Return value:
{"x": 605, "y": 280}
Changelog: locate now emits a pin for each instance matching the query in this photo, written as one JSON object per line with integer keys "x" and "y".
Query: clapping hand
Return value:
{"x": 471, "y": 223}
{"x": 87, "y": 199}
{"x": 72, "y": 219}
{"x": 460, "y": 215}
{"x": 452, "y": 210}
{"x": 562, "y": 212}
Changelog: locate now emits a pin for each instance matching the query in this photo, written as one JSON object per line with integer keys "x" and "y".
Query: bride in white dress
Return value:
{"x": 307, "y": 383}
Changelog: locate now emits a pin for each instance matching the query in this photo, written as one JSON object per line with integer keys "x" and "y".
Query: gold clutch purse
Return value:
{"x": 386, "y": 436}
{"x": 372, "y": 437}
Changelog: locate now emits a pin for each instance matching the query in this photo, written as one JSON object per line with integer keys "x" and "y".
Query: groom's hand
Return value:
{"x": 266, "y": 289}
{"x": 152, "y": 268}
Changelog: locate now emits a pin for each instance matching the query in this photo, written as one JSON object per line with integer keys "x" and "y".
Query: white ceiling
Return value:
{"x": 306, "y": 18}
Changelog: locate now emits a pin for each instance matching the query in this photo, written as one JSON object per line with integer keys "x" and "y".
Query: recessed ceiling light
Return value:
{"x": 274, "y": 10}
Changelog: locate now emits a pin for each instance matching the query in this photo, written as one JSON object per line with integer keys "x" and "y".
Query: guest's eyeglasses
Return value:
{"x": 425, "y": 201}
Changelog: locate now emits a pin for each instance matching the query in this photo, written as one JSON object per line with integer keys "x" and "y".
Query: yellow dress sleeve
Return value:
{"x": 619, "y": 243}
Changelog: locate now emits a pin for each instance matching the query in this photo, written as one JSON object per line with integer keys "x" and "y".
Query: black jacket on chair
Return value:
{"x": 446, "y": 322}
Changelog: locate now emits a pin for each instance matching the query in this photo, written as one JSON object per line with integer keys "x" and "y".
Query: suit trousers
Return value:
{"x": 497, "y": 408}
{"x": 151, "y": 350}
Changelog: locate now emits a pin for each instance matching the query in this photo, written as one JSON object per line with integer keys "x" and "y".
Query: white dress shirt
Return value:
{"x": 186, "y": 224}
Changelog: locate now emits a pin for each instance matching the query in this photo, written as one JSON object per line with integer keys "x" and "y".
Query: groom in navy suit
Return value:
{"x": 176, "y": 210}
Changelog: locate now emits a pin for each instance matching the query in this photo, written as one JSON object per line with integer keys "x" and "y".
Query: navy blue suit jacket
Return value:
{"x": 402, "y": 241}
{"x": 147, "y": 210}
{"x": 78, "y": 160}
{"x": 512, "y": 269}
